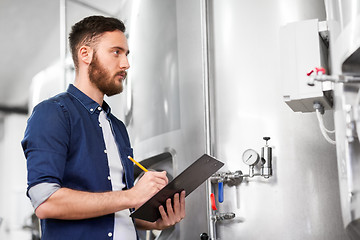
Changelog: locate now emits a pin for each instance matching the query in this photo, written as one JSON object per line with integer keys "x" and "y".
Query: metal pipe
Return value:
{"x": 63, "y": 42}
{"x": 206, "y": 81}
{"x": 205, "y": 71}
{"x": 333, "y": 79}
{"x": 223, "y": 216}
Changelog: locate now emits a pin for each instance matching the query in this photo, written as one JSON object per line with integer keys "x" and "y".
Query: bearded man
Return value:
{"x": 80, "y": 180}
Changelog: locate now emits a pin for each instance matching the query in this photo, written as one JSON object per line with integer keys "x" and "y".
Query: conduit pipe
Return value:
{"x": 63, "y": 42}
{"x": 207, "y": 101}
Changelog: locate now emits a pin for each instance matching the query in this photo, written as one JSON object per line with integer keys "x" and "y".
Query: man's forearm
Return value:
{"x": 71, "y": 204}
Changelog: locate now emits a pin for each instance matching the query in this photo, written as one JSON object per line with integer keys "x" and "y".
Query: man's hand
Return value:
{"x": 174, "y": 213}
{"x": 147, "y": 186}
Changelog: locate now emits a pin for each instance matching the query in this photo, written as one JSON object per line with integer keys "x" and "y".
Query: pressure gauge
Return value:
{"x": 250, "y": 157}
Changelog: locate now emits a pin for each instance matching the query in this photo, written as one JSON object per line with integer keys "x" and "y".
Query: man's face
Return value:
{"x": 107, "y": 69}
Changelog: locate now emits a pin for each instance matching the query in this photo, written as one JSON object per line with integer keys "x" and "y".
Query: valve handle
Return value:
{"x": 221, "y": 192}
{"x": 213, "y": 205}
{"x": 309, "y": 73}
{"x": 317, "y": 70}
{"x": 320, "y": 69}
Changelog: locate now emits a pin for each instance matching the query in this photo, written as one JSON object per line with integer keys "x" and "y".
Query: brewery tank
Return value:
{"x": 344, "y": 23}
{"x": 163, "y": 106}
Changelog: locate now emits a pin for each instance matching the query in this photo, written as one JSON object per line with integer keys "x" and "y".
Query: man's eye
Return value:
{"x": 117, "y": 52}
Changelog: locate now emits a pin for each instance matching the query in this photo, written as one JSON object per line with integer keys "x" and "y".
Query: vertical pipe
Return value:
{"x": 206, "y": 81}
{"x": 205, "y": 73}
{"x": 63, "y": 42}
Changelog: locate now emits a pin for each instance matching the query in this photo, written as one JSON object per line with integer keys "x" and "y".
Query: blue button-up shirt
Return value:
{"x": 64, "y": 144}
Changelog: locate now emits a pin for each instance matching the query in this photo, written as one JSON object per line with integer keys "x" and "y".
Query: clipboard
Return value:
{"x": 190, "y": 179}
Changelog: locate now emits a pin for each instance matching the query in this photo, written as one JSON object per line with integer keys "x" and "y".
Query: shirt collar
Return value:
{"x": 89, "y": 104}
{"x": 106, "y": 107}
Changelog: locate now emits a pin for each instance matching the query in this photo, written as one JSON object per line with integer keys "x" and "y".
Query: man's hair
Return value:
{"x": 87, "y": 32}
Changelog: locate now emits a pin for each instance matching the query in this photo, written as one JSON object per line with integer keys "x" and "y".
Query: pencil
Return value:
{"x": 138, "y": 164}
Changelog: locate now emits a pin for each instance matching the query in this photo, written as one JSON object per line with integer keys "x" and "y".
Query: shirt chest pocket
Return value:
{"x": 125, "y": 152}
{"x": 127, "y": 165}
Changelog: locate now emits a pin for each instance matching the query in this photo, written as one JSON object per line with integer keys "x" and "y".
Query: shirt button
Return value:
{"x": 109, "y": 178}
{"x": 105, "y": 151}
{"x": 110, "y": 234}
{"x": 91, "y": 109}
{"x": 99, "y": 108}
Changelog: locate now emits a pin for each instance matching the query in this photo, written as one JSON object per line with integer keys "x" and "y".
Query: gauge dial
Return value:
{"x": 250, "y": 157}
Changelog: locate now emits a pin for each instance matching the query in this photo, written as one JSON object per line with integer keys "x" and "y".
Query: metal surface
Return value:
{"x": 167, "y": 72}
{"x": 154, "y": 78}
{"x": 266, "y": 161}
{"x": 301, "y": 199}
{"x": 343, "y": 21}
{"x": 163, "y": 101}
{"x": 204, "y": 14}
{"x": 344, "y": 24}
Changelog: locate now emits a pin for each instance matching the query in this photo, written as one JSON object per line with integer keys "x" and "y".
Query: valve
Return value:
{"x": 204, "y": 236}
{"x": 266, "y": 159}
{"x": 213, "y": 203}
{"x": 223, "y": 216}
{"x": 221, "y": 191}
{"x": 317, "y": 71}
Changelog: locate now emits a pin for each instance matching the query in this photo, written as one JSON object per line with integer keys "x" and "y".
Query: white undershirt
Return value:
{"x": 124, "y": 228}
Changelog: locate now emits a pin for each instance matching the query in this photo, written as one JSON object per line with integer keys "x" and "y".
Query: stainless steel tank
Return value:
{"x": 163, "y": 101}
{"x": 344, "y": 25}
{"x": 164, "y": 108}
{"x": 301, "y": 200}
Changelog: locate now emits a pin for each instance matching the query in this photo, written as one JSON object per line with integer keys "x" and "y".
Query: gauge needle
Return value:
{"x": 248, "y": 158}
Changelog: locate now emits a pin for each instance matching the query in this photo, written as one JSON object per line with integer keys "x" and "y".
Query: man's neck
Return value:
{"x": 87, "y": 87}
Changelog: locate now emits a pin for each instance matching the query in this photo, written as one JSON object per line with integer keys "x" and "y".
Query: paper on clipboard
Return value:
{"x": 188, "y": 180}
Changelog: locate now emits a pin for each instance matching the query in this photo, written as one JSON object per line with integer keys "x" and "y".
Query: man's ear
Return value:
{"x": 86, "y": 54}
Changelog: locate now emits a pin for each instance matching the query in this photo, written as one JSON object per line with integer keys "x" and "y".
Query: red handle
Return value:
{"x": 320, "y": 69}
{"x": 309, "y": 73}
{"x": 317, "y": 70}
{"x": 213, "y": 205}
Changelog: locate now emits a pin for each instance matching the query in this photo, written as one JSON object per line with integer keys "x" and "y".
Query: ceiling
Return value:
{"x": 30, "y": 40}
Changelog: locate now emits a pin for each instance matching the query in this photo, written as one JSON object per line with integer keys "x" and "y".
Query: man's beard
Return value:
{"x": 103, "y": 80}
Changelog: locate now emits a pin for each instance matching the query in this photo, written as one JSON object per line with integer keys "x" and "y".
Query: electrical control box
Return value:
{"x": 304, "y": 46}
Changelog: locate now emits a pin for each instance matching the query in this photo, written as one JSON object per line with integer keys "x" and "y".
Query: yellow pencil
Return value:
{"x": 138, "y": 164}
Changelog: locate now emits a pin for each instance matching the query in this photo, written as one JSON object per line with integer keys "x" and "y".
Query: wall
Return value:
{"x": 15, "y": 207}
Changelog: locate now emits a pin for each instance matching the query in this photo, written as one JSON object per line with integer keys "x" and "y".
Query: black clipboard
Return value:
{"x": 188, "y": 180}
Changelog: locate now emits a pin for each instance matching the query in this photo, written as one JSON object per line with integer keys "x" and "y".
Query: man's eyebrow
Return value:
{"x": 127, "y": 52}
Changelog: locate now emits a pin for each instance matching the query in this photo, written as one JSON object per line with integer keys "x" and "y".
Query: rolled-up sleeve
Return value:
{"x": 45, "y": 143}
{"x": 41, "y": 192}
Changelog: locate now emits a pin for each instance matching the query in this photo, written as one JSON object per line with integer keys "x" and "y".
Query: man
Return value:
{"x": 80, "y": 180}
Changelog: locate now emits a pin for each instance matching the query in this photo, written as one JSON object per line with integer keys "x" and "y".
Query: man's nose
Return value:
{"x": 124, "y": 63}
